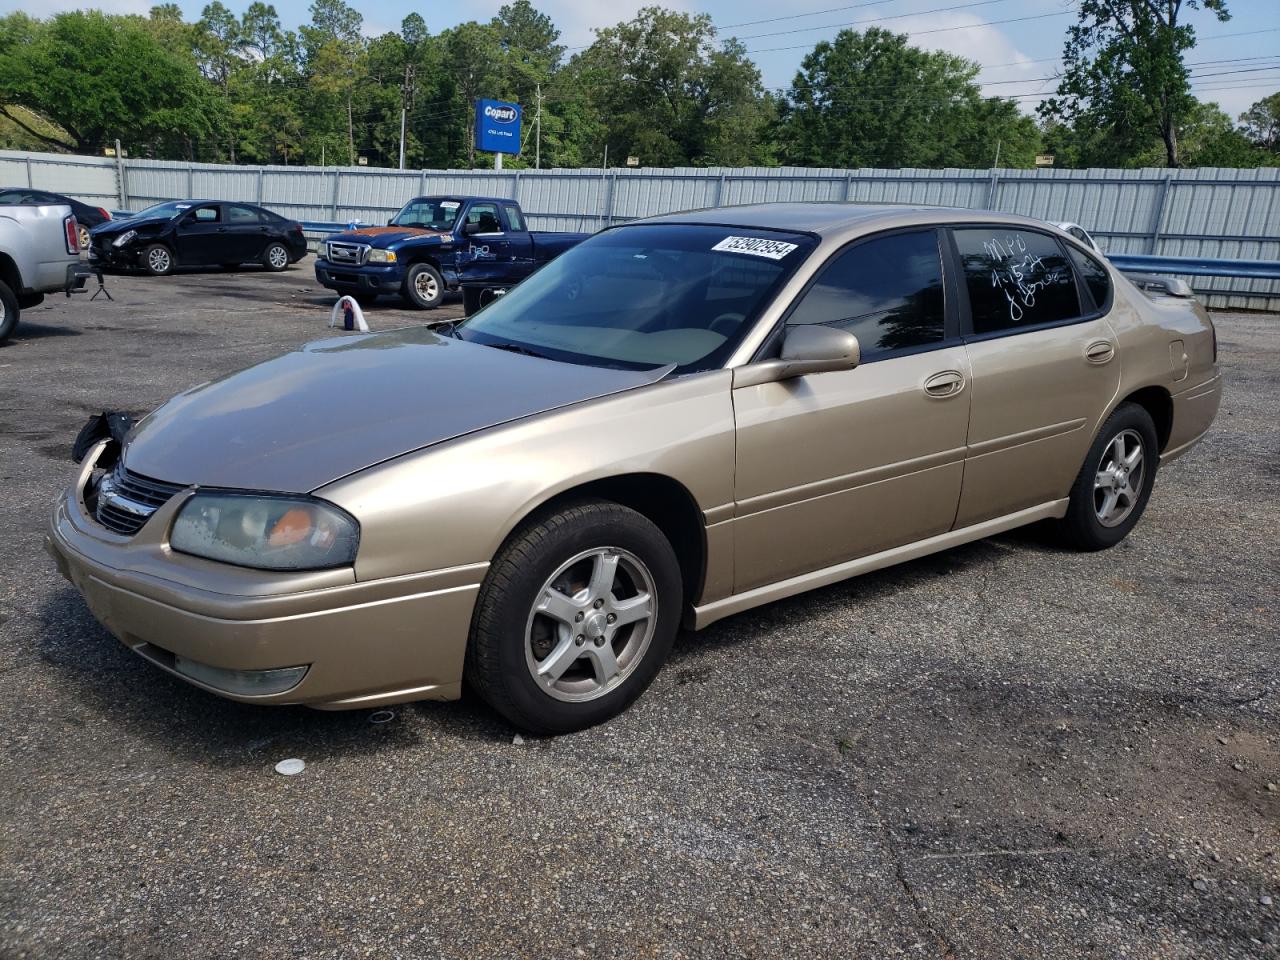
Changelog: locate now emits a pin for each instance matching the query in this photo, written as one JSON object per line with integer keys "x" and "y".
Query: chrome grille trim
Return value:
{"x": 351, "y": 254}
{"x": 126, "y": 500}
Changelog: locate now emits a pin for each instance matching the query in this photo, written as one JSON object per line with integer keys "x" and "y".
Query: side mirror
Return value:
{"x": 806, "y": 349}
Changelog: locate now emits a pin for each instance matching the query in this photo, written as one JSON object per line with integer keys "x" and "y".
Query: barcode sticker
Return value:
{"x": 756, "y": 247}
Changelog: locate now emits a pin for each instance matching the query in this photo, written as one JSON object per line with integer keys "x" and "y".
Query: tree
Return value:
{"x": 1124, "y": 74}
{"x": 334, "y": 53}
{"x": 669, "y": 93}
{"x": 99, "y": 77}
{"x": 873, "y": 100}
{"x": 1262, "y": 123}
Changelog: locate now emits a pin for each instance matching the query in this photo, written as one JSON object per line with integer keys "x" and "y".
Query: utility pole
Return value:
{"x": 606, "y": 155}
{"x": 999, "y": 143}
{"x": 402, "y": 114}
{"x": 537, "y": 123}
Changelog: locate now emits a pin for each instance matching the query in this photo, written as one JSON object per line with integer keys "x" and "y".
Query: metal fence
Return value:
{"x": 1204, "y": 213}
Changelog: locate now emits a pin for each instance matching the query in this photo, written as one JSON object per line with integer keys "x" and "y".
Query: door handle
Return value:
{"x": 1100, "y": 351}
{"x": 222, "y": 229}
{"x": 948, "y": 383}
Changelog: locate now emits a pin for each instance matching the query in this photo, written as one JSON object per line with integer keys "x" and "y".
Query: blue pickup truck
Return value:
{"x": 436, "y": 244}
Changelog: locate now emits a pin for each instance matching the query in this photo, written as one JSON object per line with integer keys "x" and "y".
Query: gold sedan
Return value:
{"x": 677, "y": 420}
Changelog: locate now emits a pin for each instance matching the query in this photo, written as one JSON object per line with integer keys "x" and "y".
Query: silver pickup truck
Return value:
{"x": 39, "y": 254}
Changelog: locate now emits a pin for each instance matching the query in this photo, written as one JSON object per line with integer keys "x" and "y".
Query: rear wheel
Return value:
{"x": 9, "y": 311}
{"x": 84, "y": 237}
{"x": 276, "y": 257}
{"x": 1113, "y": 486}
{"x": 575, "y": 617}
{"x": 157, "y": 259}
{"x": 423, "y": 286}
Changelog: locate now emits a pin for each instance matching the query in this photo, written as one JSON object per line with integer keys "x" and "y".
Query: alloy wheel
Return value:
{"x": 591, "y": 624}
{"x": 425, "y": 285}
{"x": 278, "y": 257}
{"x": 1117, "y": 486}
{"x": 159, "y": 260}
{"x": 84, "y": 238}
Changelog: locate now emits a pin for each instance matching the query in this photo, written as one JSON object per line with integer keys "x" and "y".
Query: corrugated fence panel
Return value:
{"x": 1198, "y": 213}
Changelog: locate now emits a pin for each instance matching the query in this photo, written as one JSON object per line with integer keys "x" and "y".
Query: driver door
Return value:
{"x": 487, "y": 245}
{"x": 197, "y": 237}
{"x": 839, "y": 465}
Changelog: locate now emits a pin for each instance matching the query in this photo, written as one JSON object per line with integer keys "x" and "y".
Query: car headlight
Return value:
{"x": 266, "y": 532}
{"x": 124, "y": 238}
{"x": 381, "y": 256}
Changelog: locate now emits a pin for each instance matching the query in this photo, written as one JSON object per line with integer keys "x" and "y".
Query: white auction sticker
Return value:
{"x": 450, "y": 204}
{"x": 756, "y": 247}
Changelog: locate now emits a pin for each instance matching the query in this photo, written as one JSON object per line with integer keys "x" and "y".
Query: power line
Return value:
{"x": 895, "y": 16}
{"x": 920, "y": 33}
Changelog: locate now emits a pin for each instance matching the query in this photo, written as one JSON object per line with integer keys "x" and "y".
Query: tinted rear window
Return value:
{"x": 1095, "y": 277}
{"x": 1015, "y": 278}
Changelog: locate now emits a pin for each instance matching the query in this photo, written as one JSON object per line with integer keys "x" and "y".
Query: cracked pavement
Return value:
{"x": 1004, "y": 750}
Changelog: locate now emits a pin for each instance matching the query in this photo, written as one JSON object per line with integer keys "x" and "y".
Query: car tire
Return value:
{"x": 1107, "y": 500}
{"x": 157, "y": 260}
{"x": 276, "y": 257}
{"x": 84, "y": 236}
{"x": 9, "y": 311}
{"x": 574, "y": 618}
{"x": 423, "y": 286}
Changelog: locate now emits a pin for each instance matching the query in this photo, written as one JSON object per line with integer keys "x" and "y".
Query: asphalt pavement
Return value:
{"x": 1004, "y": 750}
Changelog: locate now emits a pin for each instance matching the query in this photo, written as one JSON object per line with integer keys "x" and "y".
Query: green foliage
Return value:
{"x": 872, "y": 100}
{"x": 1125, "y": 81}
{"x": 662, "y": 86}
{"x": 98, "y": 78}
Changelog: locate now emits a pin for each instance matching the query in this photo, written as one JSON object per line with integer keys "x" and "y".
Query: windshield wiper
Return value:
{"x": 519, "y": 348}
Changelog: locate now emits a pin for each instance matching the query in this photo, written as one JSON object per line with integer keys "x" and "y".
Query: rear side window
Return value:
{"x": 1094, "y": 275}
{"x": 1015, "y": 278}
{"x": 886, "y": 291}
{"x": 514, "y": 220}
{"x": 242, "y": 215}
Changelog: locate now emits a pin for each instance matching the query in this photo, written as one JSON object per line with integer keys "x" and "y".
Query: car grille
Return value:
{"x": 351, "y": 254}
{"x": 126, "y": 500}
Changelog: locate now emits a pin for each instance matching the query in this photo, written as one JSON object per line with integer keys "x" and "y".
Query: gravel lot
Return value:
{"x": 1005, "y": 750}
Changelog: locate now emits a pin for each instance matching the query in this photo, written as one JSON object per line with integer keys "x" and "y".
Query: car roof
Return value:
{"x": 461, "y": 196}
{"x": 837, "y": 220}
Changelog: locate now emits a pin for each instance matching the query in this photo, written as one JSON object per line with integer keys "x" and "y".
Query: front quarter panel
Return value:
{"x": 455, "y": 503}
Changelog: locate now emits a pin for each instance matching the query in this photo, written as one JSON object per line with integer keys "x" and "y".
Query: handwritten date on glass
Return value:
{"x": 1018, "y": 273}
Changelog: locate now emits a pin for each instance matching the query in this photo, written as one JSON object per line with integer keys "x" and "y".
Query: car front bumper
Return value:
{"x": 360, "y": 279}
{"x": 363, "y": 644}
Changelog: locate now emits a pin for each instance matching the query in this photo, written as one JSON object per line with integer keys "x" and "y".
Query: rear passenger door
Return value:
{"x": 521, "y": 243}
{"x": 1045, "y": 369}
{"x": 838, "y": 465}
{"x": 246, "y": 233}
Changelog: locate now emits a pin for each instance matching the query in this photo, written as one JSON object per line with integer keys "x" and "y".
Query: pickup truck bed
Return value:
{"x": 39, "y": 254}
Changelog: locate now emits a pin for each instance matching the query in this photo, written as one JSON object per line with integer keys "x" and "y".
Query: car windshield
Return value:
{"x": 170, "y": 209}
{"x": 642, "y": 296}
{"x": 429, "y": 213}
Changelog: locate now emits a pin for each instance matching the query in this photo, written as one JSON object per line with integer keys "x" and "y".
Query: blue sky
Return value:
{"x": 1017, "y": 41}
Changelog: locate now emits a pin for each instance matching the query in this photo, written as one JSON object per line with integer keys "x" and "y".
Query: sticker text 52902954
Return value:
{"x": 756, "y": 247}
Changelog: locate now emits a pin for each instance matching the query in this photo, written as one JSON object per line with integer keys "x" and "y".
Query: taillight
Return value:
{"x": 73, "y": 234}
{"x": 106, "y": 214}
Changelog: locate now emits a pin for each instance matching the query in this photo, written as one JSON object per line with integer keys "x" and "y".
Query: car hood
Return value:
{"x": 113, "y": 227}
{"x": 384, "y": 237}
{"x": 336, "y": 406}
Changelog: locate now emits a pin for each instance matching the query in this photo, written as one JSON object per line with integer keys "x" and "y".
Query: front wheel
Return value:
{"x": 575, "y": 617}
{"x": 1113, "y": 486}
{"x": 158, "y": 259}
{"x": 423, "y": 286}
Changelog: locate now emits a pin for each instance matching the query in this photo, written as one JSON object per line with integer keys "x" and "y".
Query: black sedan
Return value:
{"x": 191, "y": 233}
{"x": 86, "y": 216}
